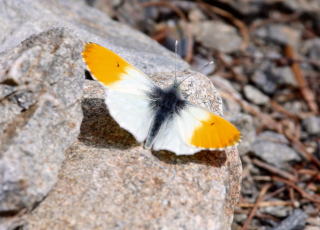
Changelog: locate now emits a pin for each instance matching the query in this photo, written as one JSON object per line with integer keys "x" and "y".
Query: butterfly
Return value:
{"x": 159, "y": 117}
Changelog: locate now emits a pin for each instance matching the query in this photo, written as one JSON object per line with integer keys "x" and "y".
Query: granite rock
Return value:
{"x": 23, "y": 18}
{"x": 40, "y": 115}
{"x": 273, "y": 148}
{"x": 109, "y": 181}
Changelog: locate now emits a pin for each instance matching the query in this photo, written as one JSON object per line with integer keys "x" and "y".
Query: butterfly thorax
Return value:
{"x": 167, "y": 100}
{"x": 164, "y": 103}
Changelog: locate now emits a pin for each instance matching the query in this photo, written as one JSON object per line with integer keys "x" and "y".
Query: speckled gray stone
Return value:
{"x": 110, "y": 182}
{"x": 40, "y": 116}
{"x": 217, "y": 35}
{"x": 310, "y": 6}
{"x": 273, "y": 148}
{"x": 20, "y": 19}
{"x": 312, "y": 125}
{"x": 280, "y": 33}
{"x": 255, "y": 95}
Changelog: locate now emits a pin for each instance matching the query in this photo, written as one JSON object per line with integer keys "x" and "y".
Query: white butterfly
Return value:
{"x": 160, "y": 118}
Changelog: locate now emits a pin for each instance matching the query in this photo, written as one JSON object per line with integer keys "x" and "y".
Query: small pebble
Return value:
{"x": 280, "y": 34}
{"x": 312, "y": 125}
{"x": 196, "y": 15}
{"x": 284, "y": 76}
{"x": 278, "y": 211}
{"x": 264, "y": 80}
{"x": 255, "y": 95}
{"x": 270, "y": 148}
{"x": 311, "y": 48}
{"x": 296, "y": 220}
{"x": 217, "y": 35}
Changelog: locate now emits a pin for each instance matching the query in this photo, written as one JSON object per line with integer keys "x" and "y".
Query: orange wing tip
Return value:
{"x": 85, "y": 53}
{"x": 104, "y": 65}
{"x": 215, "y": 133}
{"x": 228, "y": 147}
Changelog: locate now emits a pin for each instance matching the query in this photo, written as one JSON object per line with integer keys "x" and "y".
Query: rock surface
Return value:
{"x": 269, "y": 77}
{"x": 312, "y": 125}
{"x": 20, "y": 19}
{"x": 296, "y": 220}
{"x": 255, "y": 95}
{"x": 109, "y": 181}
{"x": 273, "y": 148}
{"x": 263, "y": 79}
{"x": 281, "y": 34}
{"x": 311, "y": 48}
{"x": 284, "y": 76}
{"x": 217, "y": 35}
{"x": 40, "y": 115}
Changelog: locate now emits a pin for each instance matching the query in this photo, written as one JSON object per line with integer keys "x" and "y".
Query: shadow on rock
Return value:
{"x": 98, "y": 128}
{"x": 211, "y": 158}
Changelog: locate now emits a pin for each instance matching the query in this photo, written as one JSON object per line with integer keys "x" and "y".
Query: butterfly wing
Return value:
{"x": 195, "y": 129}
{"x": 127, "y": 86}
{"x": 190, "y": 131}
{"x": 114, "y": 72}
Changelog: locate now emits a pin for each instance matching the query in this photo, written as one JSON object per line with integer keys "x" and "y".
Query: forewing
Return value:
{"x": 114, "y": 72}
{"x": 127, "y": 89}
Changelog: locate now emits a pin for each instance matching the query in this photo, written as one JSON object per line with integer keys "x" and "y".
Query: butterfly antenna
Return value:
{"x": 175, "y": 63}
{"x": 201, "y": 68}
{"x": 205, "y": 65}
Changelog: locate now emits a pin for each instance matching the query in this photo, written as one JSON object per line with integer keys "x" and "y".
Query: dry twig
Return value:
{"x": 255, "y": 207}
{"x": 303, "y": 85}
{"x": 281, "y": 109}
{"x": 266, "y": 204}
{"x": 266, "y": 120}
{"x": 270, "y": 123}
{"x": 275, "y": 170}
{"x": 304, "y": 194}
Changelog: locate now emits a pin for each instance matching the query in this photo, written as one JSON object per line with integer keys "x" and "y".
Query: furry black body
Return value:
{"x": 165, "y": 103}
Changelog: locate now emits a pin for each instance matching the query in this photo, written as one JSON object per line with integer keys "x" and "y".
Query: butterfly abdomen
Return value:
{"x": 164, "y": 103}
